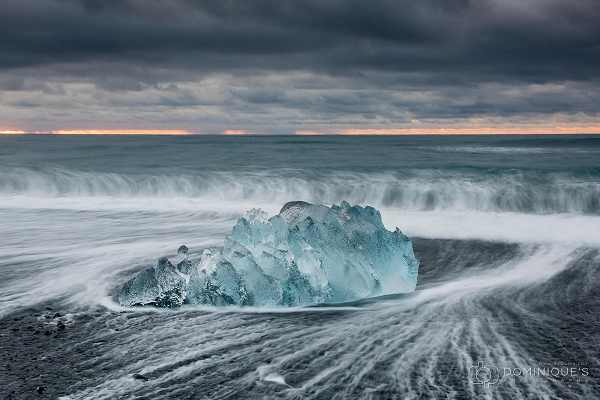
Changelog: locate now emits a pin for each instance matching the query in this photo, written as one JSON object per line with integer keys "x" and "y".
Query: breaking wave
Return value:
{"x": 461, "y": 189}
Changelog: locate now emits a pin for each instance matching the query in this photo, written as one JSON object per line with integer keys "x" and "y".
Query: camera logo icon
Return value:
{"x": 485, "y": 375}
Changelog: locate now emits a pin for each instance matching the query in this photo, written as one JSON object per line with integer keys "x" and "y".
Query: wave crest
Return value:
{"x": 523, "y": 191}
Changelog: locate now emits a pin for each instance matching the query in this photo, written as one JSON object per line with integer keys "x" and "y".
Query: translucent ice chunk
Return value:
{"x": 308, "y": 254}
{"x": 291, "y": 211}
{"x": 186, "y": 267}
{"x": 161, "y": 286}
{"x": 216, "y": 282}
{"x": 182, "y": 252}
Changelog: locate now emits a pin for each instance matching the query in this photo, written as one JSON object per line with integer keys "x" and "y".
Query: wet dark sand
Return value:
{"x": 64, "y": 351}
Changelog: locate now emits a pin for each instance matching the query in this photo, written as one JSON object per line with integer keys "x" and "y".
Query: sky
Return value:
{"x": 300, "y": 66}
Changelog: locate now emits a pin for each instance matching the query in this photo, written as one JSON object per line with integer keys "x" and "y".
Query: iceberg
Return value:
{"x": 307, "y": 254}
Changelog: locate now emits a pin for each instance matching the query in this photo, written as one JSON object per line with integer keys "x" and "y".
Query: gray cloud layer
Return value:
{"x": 280, "y": 66}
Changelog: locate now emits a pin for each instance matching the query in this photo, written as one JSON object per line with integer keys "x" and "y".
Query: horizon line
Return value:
{"x": 558, "y": 130}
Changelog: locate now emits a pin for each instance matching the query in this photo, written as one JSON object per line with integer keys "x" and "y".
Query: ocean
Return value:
{"x": 506, "y": 229}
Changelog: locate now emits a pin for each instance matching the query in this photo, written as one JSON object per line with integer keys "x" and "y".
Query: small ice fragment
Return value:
{"x": 182, "y": 252}
{"x": 161, "y": 286}
{"x": 185, "y": 266}
{"x": 266, "y": 373}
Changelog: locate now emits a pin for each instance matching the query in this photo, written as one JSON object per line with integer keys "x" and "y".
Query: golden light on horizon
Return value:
{"x": 106, "y": 132}
{"x": 123, "y": 132}
{"x": 239, "y": 132}
{"x": 459, "y": 131}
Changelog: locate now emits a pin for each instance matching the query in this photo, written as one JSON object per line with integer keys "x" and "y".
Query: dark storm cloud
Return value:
{"x": 305, "y": 60}
{"x": 533, "y": 40}
{"x": 260, "y": 96}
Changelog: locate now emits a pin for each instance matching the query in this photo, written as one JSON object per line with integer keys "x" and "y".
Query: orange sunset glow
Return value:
{"x": 105, "y": 132}
{"x": 458, "y": 131}
{"x": 239, "y": 132}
